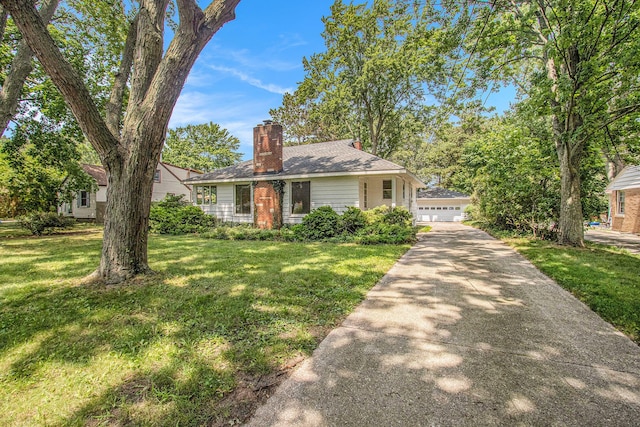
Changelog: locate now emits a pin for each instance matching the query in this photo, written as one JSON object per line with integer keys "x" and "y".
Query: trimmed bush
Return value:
{"x": 39, "y": 222}
{"x": 321, "y": 223}
{"x": 175, "y": 216}
{"x": 353, "y": 220}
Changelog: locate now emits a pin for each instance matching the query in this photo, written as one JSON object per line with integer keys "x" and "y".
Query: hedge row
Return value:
{"x": 379, "y": 225}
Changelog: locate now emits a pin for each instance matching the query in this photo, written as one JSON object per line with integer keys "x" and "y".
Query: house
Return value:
{"x": 439, "y": 204}
{"x": 88, "y": 205}
{"x": 624, "y": 200}
{"x": 283, "y": 184}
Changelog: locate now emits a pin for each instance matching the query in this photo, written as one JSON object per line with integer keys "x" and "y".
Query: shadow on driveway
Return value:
{"x": 464, "y": 331}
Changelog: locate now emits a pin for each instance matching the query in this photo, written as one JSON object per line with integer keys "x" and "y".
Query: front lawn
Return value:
{"x": 196, "y": 344}
{"x": 606, "y": 279}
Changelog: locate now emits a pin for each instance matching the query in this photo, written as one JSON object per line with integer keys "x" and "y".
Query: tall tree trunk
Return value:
{"x": 124, "y": 246}
{"x": 570, "y": 227}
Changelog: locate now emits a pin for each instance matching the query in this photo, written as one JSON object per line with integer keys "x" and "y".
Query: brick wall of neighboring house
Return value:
{"x": 266, "y": 206}
{"x": 630, "y": 221}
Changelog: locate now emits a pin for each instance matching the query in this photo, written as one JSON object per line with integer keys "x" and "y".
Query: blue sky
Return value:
{"x": 251, "y": 62}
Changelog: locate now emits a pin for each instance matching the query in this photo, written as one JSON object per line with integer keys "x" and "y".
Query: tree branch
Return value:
{"x": 20, "y": 69}
{"x": 114, "y": 106}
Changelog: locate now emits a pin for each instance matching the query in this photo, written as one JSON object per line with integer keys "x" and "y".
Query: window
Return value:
{"x": 457, "y": 208}
{"x": 206, "y": 195}
{"x": 84, "y": 199}
{"x": 365, "y": 196}
{"x": 243, "y": 199}
{"x": 386, "y": 189}
{"x": 156, "y": 176}
{"x": 300, "y": 197}
{"x": 621, "y": 202}
{"x": 403, "y": 191}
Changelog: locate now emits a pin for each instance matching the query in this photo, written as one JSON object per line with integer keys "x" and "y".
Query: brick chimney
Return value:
{"x": 267, "y": 148}
{"x": 357, "y": 145}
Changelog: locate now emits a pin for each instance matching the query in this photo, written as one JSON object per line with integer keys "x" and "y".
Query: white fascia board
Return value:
{"x": 309, "y": 176}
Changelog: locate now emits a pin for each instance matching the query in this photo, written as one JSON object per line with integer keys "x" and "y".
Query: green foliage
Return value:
{"x": 371, "y": 81}
{"x": 321, "y": 223}
{"x": 204, "y": 147}
{"x": 575, "y": 63}
{"x": 40, "y": 222}
{"x": 375, "y": 226}
{"x": 514, "y": 176}
{"x": 353, "y": 220}
{"x": 173, "y": 216}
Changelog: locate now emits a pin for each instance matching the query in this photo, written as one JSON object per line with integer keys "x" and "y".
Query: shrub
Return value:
{"x": 39, "y": 222}
{"x": 398, "y": 216}
{"x": 321, "y": 223}
{"x": 381, "y": 233}
{"x": 174, "y": 216}
{"x": 353, "y": 219}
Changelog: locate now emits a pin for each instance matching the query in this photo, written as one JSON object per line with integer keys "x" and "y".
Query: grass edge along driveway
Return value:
{"x": 606, "y": 279}
{"x": 171, "y": 348}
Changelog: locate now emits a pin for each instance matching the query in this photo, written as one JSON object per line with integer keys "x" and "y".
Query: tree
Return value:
{"x": 371, "y": 79}
{"x": 577, "y": 63}
{"x": 512, "y": 174}
{"x": 129, "y": 144}
{"x": 203, "y": 147}
{"x": 42, "y": 148}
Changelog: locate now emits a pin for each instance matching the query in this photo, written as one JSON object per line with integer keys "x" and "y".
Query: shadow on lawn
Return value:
{"x": 178, "y": 340}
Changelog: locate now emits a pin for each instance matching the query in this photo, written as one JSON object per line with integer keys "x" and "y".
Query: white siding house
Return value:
{"x": 336, "y": 173}
{"x": 88, "y": 205}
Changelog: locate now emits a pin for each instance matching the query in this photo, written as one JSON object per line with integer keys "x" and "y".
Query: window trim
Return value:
{"x": 365, "y": 196}
{"x": 200, "y": 191}
{"x": 303, "y": 212}
{"x": 87, "y": 199}
{"x": 239, "y": 207}
{"x": 620, "y": 202}
{"x": 158, "y": 174}
{"x": 387, "y": 191}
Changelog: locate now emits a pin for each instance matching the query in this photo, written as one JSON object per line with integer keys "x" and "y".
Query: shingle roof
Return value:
{"x": 440, "y": 193}
{"x": 333, "y": 157}
{"x": 97, "y": 172}
{"x": 628, "y": 178}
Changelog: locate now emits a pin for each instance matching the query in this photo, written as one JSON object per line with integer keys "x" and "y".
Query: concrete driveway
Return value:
{"x": 628, "y": 241}
{"x": 464, "y": 331}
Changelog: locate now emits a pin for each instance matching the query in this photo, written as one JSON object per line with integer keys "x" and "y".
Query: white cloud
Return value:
{"x": 269, "y": 87}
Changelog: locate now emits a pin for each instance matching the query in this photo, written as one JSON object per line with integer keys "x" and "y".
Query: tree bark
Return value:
{"x": 571, "y": 231}
{"x": 130, "y": 155}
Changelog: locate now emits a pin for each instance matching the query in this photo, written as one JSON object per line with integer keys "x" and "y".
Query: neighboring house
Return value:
{"x": 439, "y": 204}
{"x": 624, "y": 200}
{"x": 91, "y": 205}
{"x": 283, "y": 184}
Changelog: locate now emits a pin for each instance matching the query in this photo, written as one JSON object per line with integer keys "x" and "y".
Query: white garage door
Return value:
{"x": 440, "y": 213}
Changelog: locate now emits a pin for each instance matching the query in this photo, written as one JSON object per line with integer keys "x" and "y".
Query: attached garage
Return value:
{"x": 441, "y": 205}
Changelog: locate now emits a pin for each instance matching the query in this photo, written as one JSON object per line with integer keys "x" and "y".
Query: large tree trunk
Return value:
{"x": 571, "y": 231}
{"x": 124, "y": 246}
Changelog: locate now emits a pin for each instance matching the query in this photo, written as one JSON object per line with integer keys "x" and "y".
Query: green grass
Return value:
{"x": 165, "y": 349}
{"x": 604, "y": 278}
